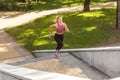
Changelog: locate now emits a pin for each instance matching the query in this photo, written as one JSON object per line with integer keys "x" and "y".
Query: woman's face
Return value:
{"x": 59, "y": 19}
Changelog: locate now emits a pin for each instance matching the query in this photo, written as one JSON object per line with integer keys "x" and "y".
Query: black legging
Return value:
{"x": 59, "y": 40}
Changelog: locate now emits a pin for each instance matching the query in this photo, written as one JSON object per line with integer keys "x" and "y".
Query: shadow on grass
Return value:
{"x": 54, "y": 4}
{"x": 86, "y": 30}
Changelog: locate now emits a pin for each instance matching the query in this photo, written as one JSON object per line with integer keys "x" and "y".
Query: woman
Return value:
{"x": 60, "y": 27}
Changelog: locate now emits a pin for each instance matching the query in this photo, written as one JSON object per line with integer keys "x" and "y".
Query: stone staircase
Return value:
{"x": 49, "y": 64}
{"x": 84, "y": 68}
{"x": 67, "y": 65}
{"x": 8, "y": 72}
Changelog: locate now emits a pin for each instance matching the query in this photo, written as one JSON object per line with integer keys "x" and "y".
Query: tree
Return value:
{"x": 86, "y": 5}
{"x": 118, "y": 15}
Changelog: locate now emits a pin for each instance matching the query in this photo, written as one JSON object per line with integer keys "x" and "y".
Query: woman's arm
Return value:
{"x": 66, "y": 28}
{"x": 50, "y": 28}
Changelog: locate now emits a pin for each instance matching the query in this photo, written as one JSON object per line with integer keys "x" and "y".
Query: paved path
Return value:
{"x": 6, "y": 14}
{"x": 10, "y": 51}
{"x": 26, "y": 17}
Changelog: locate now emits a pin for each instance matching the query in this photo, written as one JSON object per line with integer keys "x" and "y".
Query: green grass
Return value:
{"x": 87, "y": 29}
{"x": 54, "y": 4}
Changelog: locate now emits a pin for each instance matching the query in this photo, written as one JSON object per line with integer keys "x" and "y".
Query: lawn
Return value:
{"x": 87, "y": 29}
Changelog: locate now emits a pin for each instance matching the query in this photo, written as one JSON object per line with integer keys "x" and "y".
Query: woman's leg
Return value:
{"x": 59, "y": 41}
{"x": 57, "y": 53}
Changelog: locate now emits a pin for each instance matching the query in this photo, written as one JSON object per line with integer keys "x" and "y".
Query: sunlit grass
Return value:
{"x": 87, "y": 29}
{"x": 39, "y": 43}
{"x": 90, "y": 28}
{"x": 92, "y": 14}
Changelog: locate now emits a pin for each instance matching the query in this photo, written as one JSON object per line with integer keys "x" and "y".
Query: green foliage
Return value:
{"x": 87, "y": 29}
{"x": 7, "y": 4}
{"x": 15, "y": 5}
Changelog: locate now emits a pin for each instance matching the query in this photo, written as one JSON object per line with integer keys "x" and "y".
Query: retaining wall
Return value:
{"x": 105, "y": 59}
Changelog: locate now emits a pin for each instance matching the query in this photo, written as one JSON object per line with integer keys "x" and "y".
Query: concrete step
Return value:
{"x": 39, "y": 57}
{"x": 32, "y": 60}
{"x": 8, "y": 72}
{"x": 110, "y": 48}
{"x": 47, "y": 62}
{"x": 83, "y": 68}
{"x": 50, "y": 64}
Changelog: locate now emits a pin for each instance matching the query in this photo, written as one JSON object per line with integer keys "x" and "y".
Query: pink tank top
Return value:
{"x": 60, "y": 28}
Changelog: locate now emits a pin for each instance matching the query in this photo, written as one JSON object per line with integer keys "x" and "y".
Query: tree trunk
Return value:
{"x": 29, "y": 4}
{"x": 86, "y": 5}
{"x": 22, "y": 1}
{"x": 118, "y": 15}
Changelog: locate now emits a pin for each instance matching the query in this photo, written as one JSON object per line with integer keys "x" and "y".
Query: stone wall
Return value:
{"x": 107, "y": 61}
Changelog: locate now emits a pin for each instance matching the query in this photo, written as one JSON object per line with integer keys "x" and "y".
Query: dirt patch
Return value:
{"x": 53, "y": 65}
{"x": 4, "y": 14}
